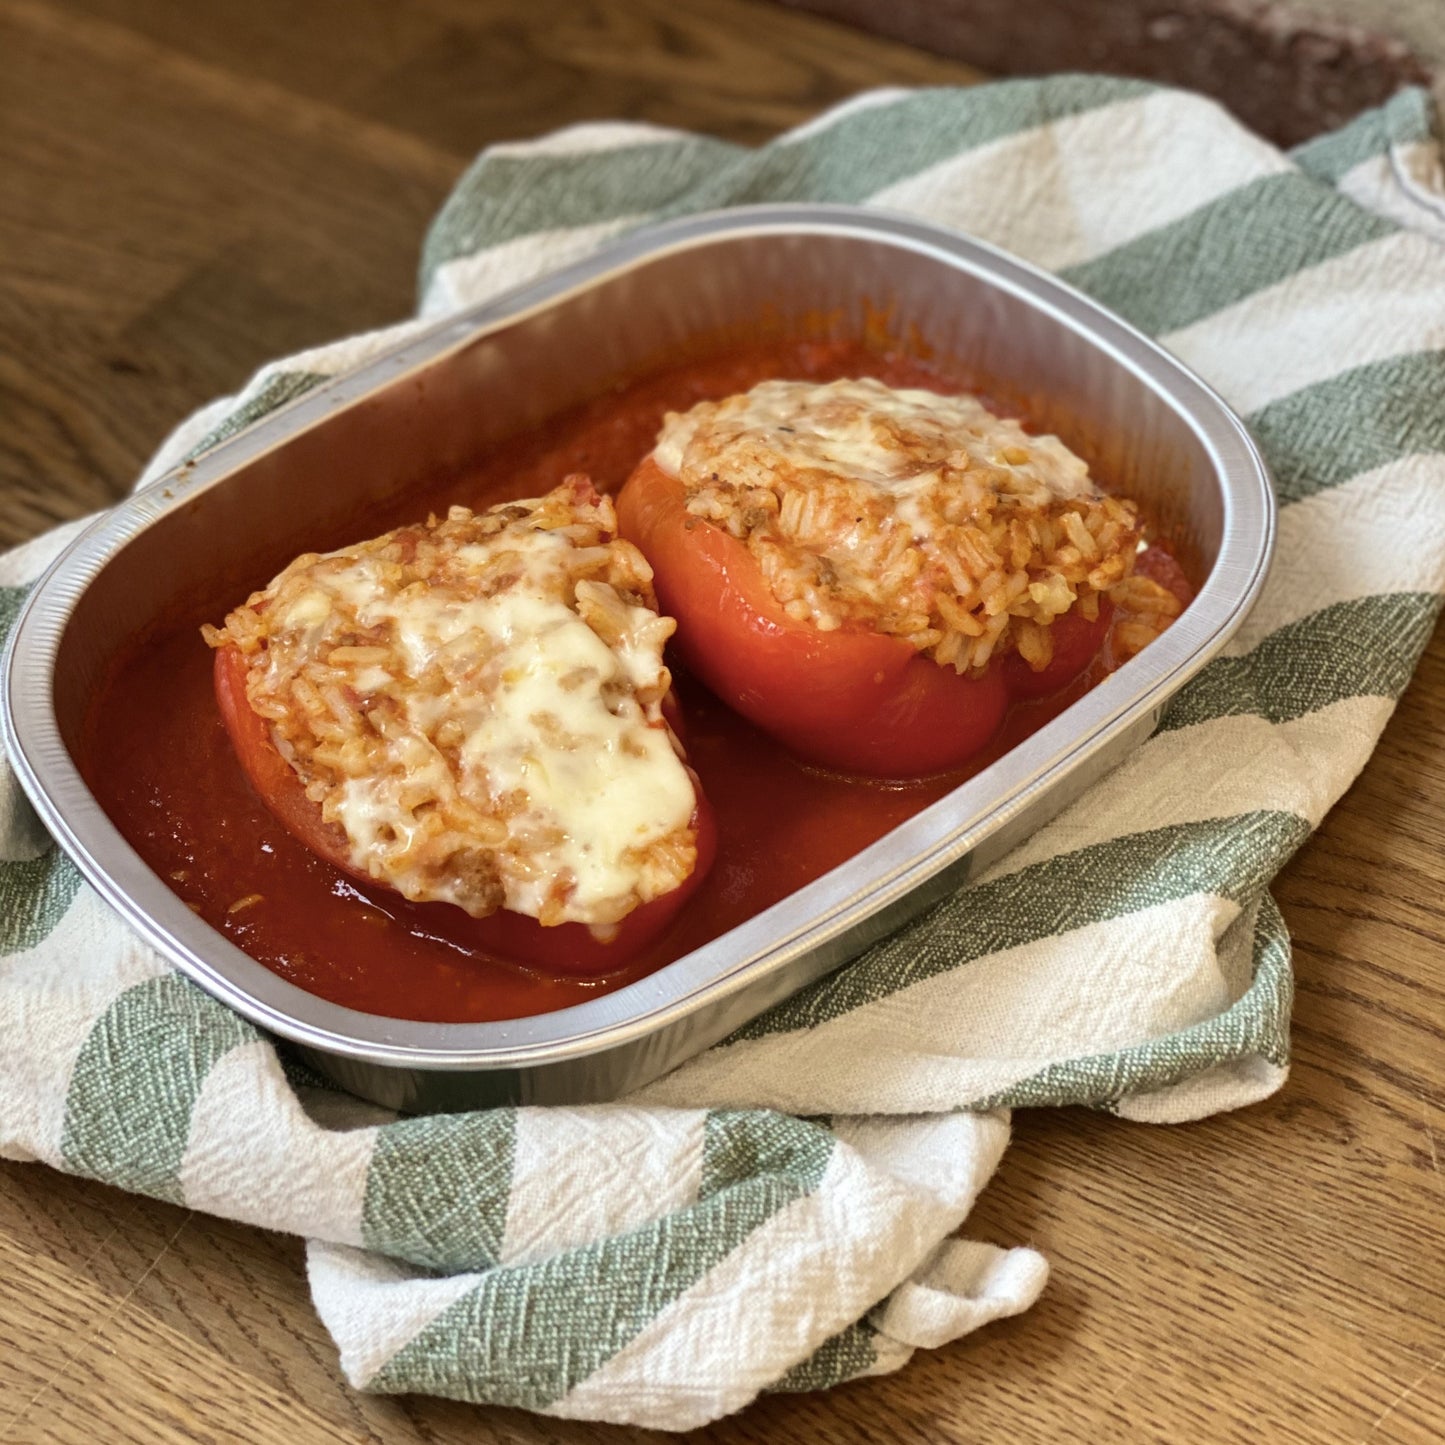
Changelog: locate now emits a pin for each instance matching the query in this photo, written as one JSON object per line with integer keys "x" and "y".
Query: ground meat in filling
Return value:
{"x": 476, "y": 702}
{"x": 914, "y": 514}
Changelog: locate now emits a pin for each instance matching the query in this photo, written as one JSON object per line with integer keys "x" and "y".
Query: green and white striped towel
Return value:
{"x": 779, "y": 1214}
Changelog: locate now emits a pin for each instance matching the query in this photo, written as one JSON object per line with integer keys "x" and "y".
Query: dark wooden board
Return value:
{"x": 1285, "y": 71}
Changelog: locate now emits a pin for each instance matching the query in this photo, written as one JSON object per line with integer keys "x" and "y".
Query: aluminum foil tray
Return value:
{"x": 232, "y": 518}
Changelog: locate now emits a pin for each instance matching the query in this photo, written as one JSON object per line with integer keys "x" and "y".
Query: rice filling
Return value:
{"x": 476, "y": 704}
{"x": 909, "y": 513}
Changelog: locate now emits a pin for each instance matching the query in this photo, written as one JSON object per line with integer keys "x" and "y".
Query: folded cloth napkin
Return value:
{"x": 779, "y": 1214}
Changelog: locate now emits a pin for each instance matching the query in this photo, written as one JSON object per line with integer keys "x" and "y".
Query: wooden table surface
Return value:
{"x": 188, "y": 190}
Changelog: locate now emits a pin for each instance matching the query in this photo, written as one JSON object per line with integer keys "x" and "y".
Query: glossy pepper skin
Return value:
{"x": 856, "y": 701}
{"x": 566, "y": 948}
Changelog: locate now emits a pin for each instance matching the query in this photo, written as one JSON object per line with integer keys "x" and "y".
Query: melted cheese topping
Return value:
{"x": 894, "y": 440}
{"x": 904, "y": 511}
{"x": 476, "y": 704}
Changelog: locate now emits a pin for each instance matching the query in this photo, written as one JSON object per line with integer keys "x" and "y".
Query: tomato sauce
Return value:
{"x": 158, "y": 758}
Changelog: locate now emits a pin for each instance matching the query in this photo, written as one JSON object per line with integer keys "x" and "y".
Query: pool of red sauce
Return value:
{"x": 159, "y": 760}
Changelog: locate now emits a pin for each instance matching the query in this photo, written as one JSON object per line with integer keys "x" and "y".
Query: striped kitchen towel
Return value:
{"x": 780, "y": 1213}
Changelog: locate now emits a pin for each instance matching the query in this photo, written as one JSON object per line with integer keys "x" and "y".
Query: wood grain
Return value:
{"x": 186, "y": 191}
{"x": 186, "y": 196}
